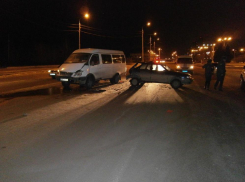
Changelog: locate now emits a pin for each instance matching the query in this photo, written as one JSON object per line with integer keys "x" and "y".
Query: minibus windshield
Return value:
{"x": 78, "y": 58}
{"x": 185, "y": 60}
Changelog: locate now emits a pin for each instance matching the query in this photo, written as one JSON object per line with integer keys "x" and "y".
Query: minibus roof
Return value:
{"x": 92, "y": 50}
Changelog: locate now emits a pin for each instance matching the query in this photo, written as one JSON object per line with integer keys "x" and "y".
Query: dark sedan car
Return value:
{"x": 151, "y": 72}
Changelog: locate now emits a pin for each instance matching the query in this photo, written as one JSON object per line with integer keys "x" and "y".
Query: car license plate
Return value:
{"x": 184, "y": 71}
{"x": 64, "y": 79}
{"x": 52, "y": 74}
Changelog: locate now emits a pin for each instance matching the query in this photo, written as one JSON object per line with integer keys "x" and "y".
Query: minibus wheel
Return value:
{"x": 115, "y": 79}
{"x": 89, "y": 82}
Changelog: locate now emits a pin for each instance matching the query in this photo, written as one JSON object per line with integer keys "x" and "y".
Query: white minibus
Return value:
{"x": 185, "y": 64}
{"x": 87, "y": 66}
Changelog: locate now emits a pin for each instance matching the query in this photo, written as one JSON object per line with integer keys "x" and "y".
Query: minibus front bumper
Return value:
{"x": 75, "y": 80}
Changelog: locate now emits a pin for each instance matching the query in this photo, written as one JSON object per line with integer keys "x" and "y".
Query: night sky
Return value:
{"x": 46, "y": 25}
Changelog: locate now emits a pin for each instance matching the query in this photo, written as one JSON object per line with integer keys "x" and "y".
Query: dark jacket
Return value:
{"x": 209, "y": 68}
{"x": 221, "y": 68}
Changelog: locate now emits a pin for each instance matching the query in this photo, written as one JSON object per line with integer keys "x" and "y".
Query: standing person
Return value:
{"x": 209, "y": 68}
{"x": 220, "y": 74}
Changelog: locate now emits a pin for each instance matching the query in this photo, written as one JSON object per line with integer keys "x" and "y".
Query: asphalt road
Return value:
{"x": 116, "y": 133}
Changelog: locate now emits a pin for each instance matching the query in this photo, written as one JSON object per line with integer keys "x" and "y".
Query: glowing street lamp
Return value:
{"x": 86, "y": 16}
{"x": 224, "y": 39}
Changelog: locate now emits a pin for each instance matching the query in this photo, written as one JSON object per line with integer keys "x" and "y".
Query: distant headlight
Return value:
{"x": 49, "y": 71}
{"x": 191, "y": 67}
{"x": 178, "y": 66}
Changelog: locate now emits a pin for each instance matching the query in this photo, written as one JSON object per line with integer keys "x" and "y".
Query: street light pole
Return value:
{"x": 150, "y": 49}
{"x": 154, "y": 48}
{"x": 213, "y": 51}
{"x": 150, "y": 43}
{"x": 79, "y": 30}
{"x": 86, "y": 16}
{"x": 142, "y": 45}
{"x": 148, "y": 24}
{"x": 154, "y": 45}
{"x": 159, "y": 49}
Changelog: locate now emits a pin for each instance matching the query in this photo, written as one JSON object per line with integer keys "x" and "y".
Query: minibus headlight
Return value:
{"x": 178, "y": 66}
{"x": 78, "y": 73}
{"x": 191, "y": 67}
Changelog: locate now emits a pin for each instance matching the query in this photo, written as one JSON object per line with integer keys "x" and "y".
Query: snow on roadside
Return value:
{"x": 23, "y": 127}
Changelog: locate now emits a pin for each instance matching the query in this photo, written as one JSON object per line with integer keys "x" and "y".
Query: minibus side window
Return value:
{"x": 94, "y": 60}
{"x": 117, "y": 58}
{"x": 106, "y": 59}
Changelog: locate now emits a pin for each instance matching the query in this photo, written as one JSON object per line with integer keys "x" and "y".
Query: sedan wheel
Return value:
{"x": 134, "y": 82}
{"x": 176, "y": 84}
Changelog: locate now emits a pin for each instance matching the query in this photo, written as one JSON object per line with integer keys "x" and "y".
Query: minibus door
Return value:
{"x": 94, "y": 66}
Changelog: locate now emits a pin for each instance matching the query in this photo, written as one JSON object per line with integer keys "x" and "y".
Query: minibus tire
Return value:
{"x": 115, "y": 79}
{"x": 89, "y": 82}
